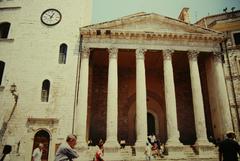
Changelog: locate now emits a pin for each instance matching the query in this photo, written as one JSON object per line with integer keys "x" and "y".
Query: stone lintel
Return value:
{"x": 32, "y": 120}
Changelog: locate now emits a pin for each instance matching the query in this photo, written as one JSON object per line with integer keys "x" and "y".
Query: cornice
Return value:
{"x": 119, "y": 34}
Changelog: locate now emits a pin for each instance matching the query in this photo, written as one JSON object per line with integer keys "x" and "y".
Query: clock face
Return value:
{"x": 51, "y": 17}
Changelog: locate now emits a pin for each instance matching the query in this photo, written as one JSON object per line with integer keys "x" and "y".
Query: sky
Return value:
{"x": 106, "y": 10}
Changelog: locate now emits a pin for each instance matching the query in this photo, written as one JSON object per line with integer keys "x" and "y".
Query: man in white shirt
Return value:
{"x": 37, "y": 153}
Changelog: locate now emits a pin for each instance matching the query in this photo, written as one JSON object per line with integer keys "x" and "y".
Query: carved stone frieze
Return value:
{"x": 113, "y": 53}
{"x": 140, "y": 53}
{"x": 154, "y": 35}
{"x": 167, "y": 54}
{"x": 192, "y": 55}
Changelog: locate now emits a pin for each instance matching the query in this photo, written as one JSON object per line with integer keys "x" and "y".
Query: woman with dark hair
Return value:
{"x": 100, "y": 152}
{"x": 5, "y": 154}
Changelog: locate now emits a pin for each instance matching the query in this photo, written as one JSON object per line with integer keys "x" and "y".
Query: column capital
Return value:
{"x": 217, "y": 56}
{"x": 85, "y": 52}
{"x": 140, "y": 53}
{"x": 167, "y": 54}
{"x": 113, "y": 53}
{"x": 193, "y": 54}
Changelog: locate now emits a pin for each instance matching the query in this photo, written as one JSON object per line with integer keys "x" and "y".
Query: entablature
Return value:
{"x": 145, "y": 35}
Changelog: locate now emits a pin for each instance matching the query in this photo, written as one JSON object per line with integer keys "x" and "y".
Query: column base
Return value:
{"x": 174, "y": 147}
{"x": 204, "y": 147}
{"x": 202, "y": 142}
{"x": 175, "y": 150}
{"x": 140, "y": 147}
{"x": 140, "y": 143}
{"x": 111, "y": 146}
{"x": 174, "y": 142}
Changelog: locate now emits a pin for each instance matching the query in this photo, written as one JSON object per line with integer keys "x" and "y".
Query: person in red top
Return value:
{"x": 99, "y": 152}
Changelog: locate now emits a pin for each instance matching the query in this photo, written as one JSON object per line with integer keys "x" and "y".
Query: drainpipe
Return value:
{"x": 77, "y": 82}
{"x": 232, "y": 84}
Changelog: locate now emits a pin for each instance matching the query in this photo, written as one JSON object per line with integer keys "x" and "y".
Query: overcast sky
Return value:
{"x": 105, "y": 10}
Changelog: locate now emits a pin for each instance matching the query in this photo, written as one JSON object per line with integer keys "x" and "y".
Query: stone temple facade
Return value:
{"x": 119, "y": 80}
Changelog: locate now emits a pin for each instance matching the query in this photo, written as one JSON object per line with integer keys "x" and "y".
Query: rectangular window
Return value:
{"x": 236, "y": 38}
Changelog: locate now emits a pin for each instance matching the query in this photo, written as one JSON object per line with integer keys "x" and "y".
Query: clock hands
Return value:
{"x": 52, "y": 15}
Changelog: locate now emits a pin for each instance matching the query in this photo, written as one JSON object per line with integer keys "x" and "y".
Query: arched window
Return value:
{"x": 45, "y": 90}
{"x": 2, "y": 65}
{"x": 4, "y": 29}
{"x": 62, "y": 54}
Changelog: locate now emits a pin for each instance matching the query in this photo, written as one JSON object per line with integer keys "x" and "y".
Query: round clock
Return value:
{"x": 51, "y": 17}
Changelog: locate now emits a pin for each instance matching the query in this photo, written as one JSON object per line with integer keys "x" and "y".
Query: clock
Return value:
{"x": 51, "y": 17}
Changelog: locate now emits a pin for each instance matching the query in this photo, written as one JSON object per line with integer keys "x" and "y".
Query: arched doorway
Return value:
{"x": 43, "y": 137}
{"x": 151, "y": 124}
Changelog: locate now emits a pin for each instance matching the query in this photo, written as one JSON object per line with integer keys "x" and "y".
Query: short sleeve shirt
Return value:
{"x": 230, "y": 149}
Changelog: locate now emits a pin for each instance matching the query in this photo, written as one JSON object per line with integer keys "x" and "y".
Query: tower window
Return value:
{"x": 236, "y": 37}
{"x": 2, "y": 65}
{"x": 45, "y": 90}
{"x": 62, "y": 54}
{"x": 4, "y": 29}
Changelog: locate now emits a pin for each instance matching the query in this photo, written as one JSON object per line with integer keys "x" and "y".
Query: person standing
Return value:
{"x": 5, "y": 154}
{"x": 100, "y": 152}
{"x": 66, "y": 151}
{"x": 229, "y": 148}
{"x": 147, "y": 152}
{"x": 37, "y": 153}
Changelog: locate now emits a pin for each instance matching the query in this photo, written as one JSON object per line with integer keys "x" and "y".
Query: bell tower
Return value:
{"x": 39, "y": 49}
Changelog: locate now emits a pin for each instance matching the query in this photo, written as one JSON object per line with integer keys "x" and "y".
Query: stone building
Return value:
{"x": 229, "y": 24}
{"x": 39, "y": 48}
{"x": 117, "y": 80}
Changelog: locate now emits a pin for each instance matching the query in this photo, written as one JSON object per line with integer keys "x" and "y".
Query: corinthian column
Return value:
{"x": 112, "y": 100}
{"x": 141, "y": 104}
{"x": 171, "y": 112}
{"x": 197, "y": 99}
{"x": 81, "y": 110}
{"x": 222, "y": 94}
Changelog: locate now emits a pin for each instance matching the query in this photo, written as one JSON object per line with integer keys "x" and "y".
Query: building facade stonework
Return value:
{"x": 117, "y": 80}
{"x": 228, "y": 23}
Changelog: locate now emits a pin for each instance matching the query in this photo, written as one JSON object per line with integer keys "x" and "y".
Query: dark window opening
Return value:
{"x": 62, "y": 54}
{"x": 4, "y": 29}
{"x": 150, "y": 124}
{"x": 98, "y": 32}
{"x": 108, "y": 32}
{"x": 2, "y": 65}
{"x": 237, "y": 38}
{"x": 45, "y": 90}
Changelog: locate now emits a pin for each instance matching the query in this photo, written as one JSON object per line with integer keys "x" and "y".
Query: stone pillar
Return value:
{"x": 82, "y": 106}
{"x": 141, "y": 104}
{"x": 112, "y": 100}
{"x": 171, "y": 111}
{"x": 198, "y": 107}
{"x": 222, "y": 94}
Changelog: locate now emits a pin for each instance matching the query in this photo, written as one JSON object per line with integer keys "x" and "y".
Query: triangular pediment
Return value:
{"x": 150, "y": 22}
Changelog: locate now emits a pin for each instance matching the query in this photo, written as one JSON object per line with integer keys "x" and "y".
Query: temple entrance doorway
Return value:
{"x": 151, "y": 124}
